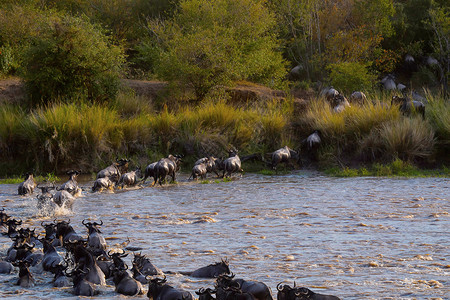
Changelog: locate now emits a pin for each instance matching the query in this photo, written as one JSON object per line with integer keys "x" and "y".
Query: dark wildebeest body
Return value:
{"x": 199, "y": 170}
{"x": 27, "y": 187}
{"x": 115, "y": 170}
{"x": 232, "y": 164}
{"x": 210, "y": 271}
{"x": 81, "y": 286}
{"x": 150, "y": 171}
{"x": 71, "y": 185}
{"x": 130, "y": 178}
{"x": 159, "y": 290}
{"x": 145, "y": 266}
{"x": 86, "y": 262}
{"x": 125, "y": 284}
{"x": 51, "y": 256}
{"x": 167, "y": 167}
{"x": 259, "y": 290}
{"x": 407, "y": 106}
{"x": 96, "y": 242}
{"x": 26, "y": 279}
{"x": 104, "y": 183}
{"x": 64, "y": 199}
{"x": 60, "y": 279}
{"x": 283, "y": 155}
{"x": 285, "y": 292}
{"x": 5, "y": 267}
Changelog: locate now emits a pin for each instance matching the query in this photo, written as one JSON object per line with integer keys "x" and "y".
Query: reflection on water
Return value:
{"x": 355, "y": 238}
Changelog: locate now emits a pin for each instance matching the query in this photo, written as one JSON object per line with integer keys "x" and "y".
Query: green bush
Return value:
{"x": 350, "y": 76}
{"x": 211, "y": 43}
{"x": 72, "y": 58}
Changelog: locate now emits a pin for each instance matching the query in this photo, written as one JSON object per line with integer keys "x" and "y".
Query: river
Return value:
{"x": 356, "y": 238}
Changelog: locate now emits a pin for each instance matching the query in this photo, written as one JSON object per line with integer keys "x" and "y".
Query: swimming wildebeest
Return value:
{"x": 71, "y": 185}
{"x": 27, "y": 187}
{"x": 158, "y": 289}
{"x": 115, "y": 170}
{"x": 210, "y": 271}
{"x": 285, "y": 292}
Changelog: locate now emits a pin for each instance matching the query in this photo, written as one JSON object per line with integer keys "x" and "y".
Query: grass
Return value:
{"x": 89, "y": 136}
{"x": 394, "y": 169}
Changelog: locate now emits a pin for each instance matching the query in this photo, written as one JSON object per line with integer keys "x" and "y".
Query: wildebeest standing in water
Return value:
{"x": 71, "y": 185}
{"x": 130, "y": 178}
{"x": 232, "y": 164}
{"x": 115, "y": 170}
{"x": 27, "y": 187}
{"x": 167, "y": 167}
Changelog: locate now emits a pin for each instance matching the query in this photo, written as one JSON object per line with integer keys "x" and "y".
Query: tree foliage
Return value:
{"x": 212, "y": 43}
{"x": 71, "y": 58}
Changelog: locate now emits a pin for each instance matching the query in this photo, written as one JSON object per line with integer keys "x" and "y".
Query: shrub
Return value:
{"x": 350, "y": 76}
{"x": 211, "y": 43}
{"x": 407, "y": 139}
{"x": 72, "y": 58}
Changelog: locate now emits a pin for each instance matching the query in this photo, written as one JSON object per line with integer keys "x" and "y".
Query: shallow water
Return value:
{"x": 356, "y": 238}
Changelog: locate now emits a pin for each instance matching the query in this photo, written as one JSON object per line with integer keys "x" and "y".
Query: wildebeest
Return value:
{"x": 104, "y": 183}
{"x": 232, "y": 164}
{"x": 259, "y": 290}
{"x": 71, "y": 185}
{"x": 145, "y": 266}
{"x": 159, "y": 290}
{"x": 210, "y": 271}
{"x": 149, "y": 171}
{"x": 5, "y": 267}
{"x": 199, "y": 170}
{"x": 45, "y": 199}
{"x": 125, "y": 284}
{"x": 285, "y": 292}
{"x": 27, "y": 187}
{"x": 408, "y": 106}
{"x": 66, "y": 233}
{"x": 60, "y": 278}
{"x": 64, "y": 199}
{"x": 86, "y": 262}
{"x": 25, "y": 277}
{"x": 167, "y": 167}
{"x": 115, "y": 170}
{"x": 51, "y": 256}
{"x": 313, "y": 141}
{"x": 329, "y": 93}
{"x": 130, "y": 178}
{"x": 358, "y": 97}
{"x": 81, "y": 286}
{"x": 283, "y": 155}
{"x": 96, "y": 243}
{"x": 388, "y": 82}
{"x": 339, "y": 103}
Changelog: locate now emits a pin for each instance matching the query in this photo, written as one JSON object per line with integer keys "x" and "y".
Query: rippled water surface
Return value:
{"x": 356, "y": 238}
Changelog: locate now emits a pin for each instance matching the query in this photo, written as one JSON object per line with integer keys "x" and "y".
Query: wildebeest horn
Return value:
{"x": 294, "y": 283}
{"x": 301, "y": 291}
{"x": 85, "y": 224}
{"x": 96, "y": 224}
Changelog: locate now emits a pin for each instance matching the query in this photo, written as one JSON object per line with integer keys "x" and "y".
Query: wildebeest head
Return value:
{"x": 398, "y": 100}
{"x": 117, "y": 258}
{"x": 155, "y": 285}
{"x": 205, "y": 294}
{"x": 92, "y": 226}
{"x": 3, "y": 216}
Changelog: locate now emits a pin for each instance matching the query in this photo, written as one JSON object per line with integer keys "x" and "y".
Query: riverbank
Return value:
{"x": 147, "y": 122}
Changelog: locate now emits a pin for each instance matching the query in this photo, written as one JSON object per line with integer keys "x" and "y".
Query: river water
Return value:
{"x": 356, "y": 238}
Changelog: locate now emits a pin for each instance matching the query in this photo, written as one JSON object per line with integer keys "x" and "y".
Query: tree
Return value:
{"x": 211, "y": 43}
{"x": 71, "y": 58}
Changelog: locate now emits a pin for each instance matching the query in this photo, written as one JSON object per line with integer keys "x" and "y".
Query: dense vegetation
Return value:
{"x": 71, "y": 54}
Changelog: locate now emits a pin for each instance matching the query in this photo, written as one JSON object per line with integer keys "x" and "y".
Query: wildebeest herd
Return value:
{"x": 85, "y": 263}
